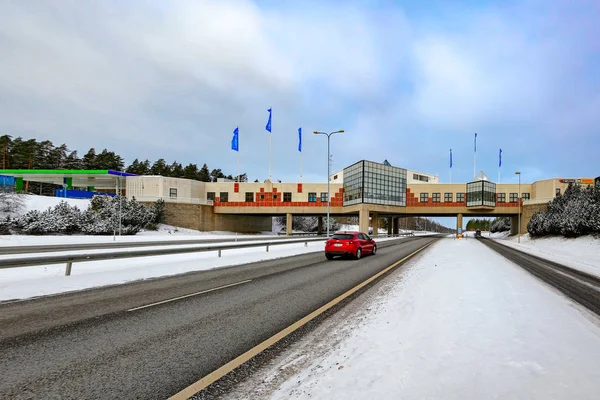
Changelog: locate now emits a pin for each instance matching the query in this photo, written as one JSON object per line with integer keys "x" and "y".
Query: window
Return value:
{"x": 525, "y": 196}
{"x": 323, "y": 197}
{"x": 558, "y": 191}
{"x": 312, "y": 197}
{"x": 224, "y": 197}
{"x": 421, "y": 178}
{"x": 424, "y": 197}
{"x": 287, "y": 197}
{"x": 447, "y": 197}
{"x": 514, "y": 197}
{"x": 173, "y": 192}
{"x": 210, "y": 196}
{"x": 460, "y": 197}
{"x": 343, "y": 236}
{"x": 249, "y": 197}
{"x": 262, "y": 196}
{"x": 335, "y": 177}
{"x": 274, "y": 197}
{"x": 435, "y": 197}
{"x": 501, "y": 197}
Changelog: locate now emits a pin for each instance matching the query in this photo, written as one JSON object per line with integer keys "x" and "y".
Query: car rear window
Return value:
{"x": 342, "y": 236}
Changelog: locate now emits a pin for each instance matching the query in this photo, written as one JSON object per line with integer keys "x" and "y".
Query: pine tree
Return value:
{"x": 160, "y": 168}
{"x": 89, "y": 159}
{"x": 204, "y": 174}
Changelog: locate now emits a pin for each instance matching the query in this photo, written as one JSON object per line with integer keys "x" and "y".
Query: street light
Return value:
{"x": 328, "y": 172}
{"x": 519, "y": 197}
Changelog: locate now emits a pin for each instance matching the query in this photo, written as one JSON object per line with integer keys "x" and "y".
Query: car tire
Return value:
{"x": 374, "y": 250}
{"x": 329, "y": 256}
{"x": 358, "y": 254}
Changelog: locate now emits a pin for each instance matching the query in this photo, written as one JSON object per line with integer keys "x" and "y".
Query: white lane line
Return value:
{"x": 189, "y": 295}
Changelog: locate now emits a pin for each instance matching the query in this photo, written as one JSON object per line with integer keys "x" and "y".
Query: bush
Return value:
{"x": 5, "y": 226}
{"x": 575, "y": 213}
{"x": 501, "y": 224}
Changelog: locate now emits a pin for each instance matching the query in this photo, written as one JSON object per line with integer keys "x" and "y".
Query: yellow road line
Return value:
{"x": 236, "y": 362}
{"x": 189, "y": 295}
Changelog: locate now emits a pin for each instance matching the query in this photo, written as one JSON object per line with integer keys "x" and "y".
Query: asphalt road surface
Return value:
{"x": 88, "y": 345}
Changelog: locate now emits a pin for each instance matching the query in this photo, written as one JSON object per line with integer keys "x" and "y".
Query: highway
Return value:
{"x": 151, "y": 339}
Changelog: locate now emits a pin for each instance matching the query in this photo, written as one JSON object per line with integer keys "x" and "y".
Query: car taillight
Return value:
{"x": 350, "y": 242}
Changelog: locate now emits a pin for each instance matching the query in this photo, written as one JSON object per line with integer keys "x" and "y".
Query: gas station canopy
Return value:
{"x": 96, "y": 179}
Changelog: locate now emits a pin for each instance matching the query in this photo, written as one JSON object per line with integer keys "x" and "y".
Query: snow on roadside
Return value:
{"x": 582, "y": 253}
{"x": 460, "y": 322}
{"x": 26, "y": 282}
{"x": 42, "y": 203}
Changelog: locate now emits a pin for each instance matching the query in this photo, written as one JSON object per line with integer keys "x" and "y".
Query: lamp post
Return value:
{"x": 328, "y": 172}
{"x": 519, "y": 197}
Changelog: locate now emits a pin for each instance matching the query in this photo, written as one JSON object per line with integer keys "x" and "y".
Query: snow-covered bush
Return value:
{"x": 575, "y": 213}
{"x": 307, "y": 224}
{"x": 5, "y": 226}
{"x": 11, "y": 202}
{"x": 501, "y": 224}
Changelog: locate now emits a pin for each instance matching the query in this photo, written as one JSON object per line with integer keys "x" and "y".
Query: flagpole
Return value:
{"x": 300, "y": 167}
{"x": 270, "y": 156}
{"x": 238, "y": 160}
{"x": 475, "y": 158}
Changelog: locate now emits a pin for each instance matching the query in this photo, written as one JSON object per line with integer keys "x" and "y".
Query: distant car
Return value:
{"x": 354, "y": 244}
{"x": 478, "y": 233}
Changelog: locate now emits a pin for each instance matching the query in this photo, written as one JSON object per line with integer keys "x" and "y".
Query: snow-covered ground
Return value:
{"x": 26, "y": 282}
{"x": 458, "y": 322}
{"x": 41, "y": 203}
{"x": 582, "y": 253}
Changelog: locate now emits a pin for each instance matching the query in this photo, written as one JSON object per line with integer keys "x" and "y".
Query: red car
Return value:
{"x": 355, "y": 244}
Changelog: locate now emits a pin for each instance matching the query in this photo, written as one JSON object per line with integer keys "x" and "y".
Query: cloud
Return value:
{"x": 174, "y": 79}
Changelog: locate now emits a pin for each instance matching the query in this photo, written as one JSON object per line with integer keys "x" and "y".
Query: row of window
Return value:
{"x": 460, "y": 197}
{"x": 287, "y": 197}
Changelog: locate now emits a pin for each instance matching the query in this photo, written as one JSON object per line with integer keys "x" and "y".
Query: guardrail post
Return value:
{"x": 267, "y": 248}
{"x": 305, "y": 244}
{"x": 219, "y": 252}
{"x": 68, "y": 270}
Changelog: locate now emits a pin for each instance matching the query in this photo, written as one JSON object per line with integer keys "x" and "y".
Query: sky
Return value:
{"x": 407, "y": 81}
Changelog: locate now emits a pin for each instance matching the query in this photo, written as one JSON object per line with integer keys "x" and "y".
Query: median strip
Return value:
{"x": 233, "y": 364}
{"x": 189, "y": 295}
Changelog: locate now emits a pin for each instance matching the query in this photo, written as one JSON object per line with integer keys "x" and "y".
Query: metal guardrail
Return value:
{"x": 52, "y": 248}
{"x": 70, "y": 259}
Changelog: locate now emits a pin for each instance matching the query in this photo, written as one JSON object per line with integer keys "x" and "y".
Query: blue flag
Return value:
{"x": 235, "y": 144}
{"x": 475, "y": 141}
{"x": 450, "y": 158}
{"x": 500, "y": 159}
{"x": 268, "y": 127}
{"x": 300, "y": 139}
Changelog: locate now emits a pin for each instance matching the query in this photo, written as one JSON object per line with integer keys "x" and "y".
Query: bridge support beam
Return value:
{"x": 363, "y": 220}
{"x": 288, "y": 224}
{"x": 395, "y": 225}
{"x": 459, "y": 222}
{"x": 319, "y": 225}
{"x": 375, "y": 224}
{"x": 390, "y": 225}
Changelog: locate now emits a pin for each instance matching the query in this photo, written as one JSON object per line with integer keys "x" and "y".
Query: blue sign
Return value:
{"x": 459, "y": 231}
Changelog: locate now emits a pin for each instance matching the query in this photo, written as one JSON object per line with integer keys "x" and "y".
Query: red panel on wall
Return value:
{"x": 299, "y": 188}
{"x": 236, "y": 187}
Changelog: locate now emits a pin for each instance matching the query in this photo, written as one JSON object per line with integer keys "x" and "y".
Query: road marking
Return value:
{"x": 189, "y": 295}
{"x": 236, "y": 362}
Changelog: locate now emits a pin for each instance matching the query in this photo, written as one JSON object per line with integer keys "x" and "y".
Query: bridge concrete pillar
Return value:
{"x": 390, "y": 225}
{"x": 514, "y": 225}
{"x": 288, "y": 224}
{"x": 363, "y": 220}
{"x": 395, "y": 225}
{"x": 459, "y": 222}
{"x": 375, "y": 223}
{"x": 319, "y": 225}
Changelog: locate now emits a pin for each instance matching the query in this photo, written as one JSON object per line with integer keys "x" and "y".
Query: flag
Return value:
{"x": 450, "y": 158}
{"x": 500, "y": 159}
{"x": 300, "y": 139}
{"x": 235, "y": 144}
{"x": 268, "y": 127}
{"x": 475, "y": 141}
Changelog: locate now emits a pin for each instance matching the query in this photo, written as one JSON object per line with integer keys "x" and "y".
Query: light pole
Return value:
{"x": 328, "y": 173}
{"x": 519, "y": 197}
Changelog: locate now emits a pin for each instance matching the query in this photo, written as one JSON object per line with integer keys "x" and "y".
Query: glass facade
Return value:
{"x": 481, "y": 193}
{"x": 374, "y": 183}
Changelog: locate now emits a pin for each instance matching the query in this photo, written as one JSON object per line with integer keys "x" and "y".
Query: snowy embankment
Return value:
{"x": 26, "y": 282}
{"x": 582, "y": 253}
{"x": 459, "y": 322}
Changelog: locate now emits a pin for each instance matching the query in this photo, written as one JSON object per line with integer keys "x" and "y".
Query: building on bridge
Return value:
{"x": 366, "y": 189}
